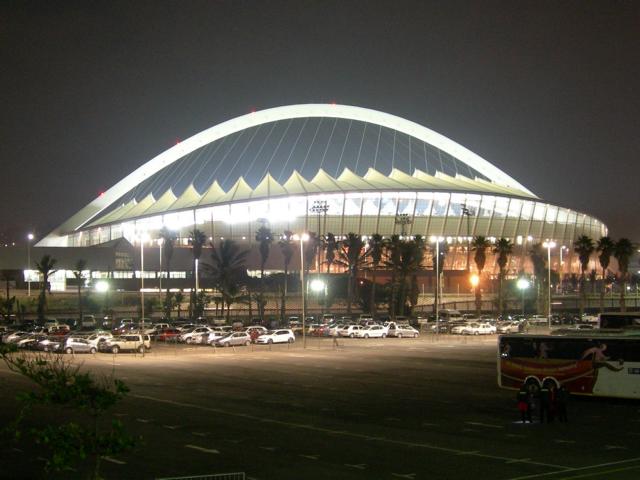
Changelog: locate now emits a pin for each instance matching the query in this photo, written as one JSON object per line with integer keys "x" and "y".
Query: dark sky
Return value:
{"x": 545, "y": 90}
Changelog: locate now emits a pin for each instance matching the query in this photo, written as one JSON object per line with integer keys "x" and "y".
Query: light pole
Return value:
{"x": 29, "y": 238}
{"x": 160, "y": 244}
{"x": 549, "y": 244}
{"x": 303, "y": 238}
{"x": 143, "y": 238}
{"x": 437, "y": 241}
{"x": 561, "y": 268}
{"x": 467, "y": 213}
{"x": 403, "y": 219}
{"x": 475, "y": 283}
{"x": 522, "y": 284}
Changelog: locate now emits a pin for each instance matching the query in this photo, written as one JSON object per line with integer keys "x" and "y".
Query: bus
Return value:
{"x": 619, "y": 320}
{"x": 598, "y": 364}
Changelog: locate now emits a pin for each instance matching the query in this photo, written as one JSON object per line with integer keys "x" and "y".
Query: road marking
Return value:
{"x": 355, "y": 435}
{"x": 601, "y": 472}
{"x": 470, "y": 452}
{"x": 202, "y": 449}
{"x": 270, "y": 449}
{"x": 488, "y": 425}
{"x": 577, "y": 469}
{"x": 564, "y": 441}
{"x": 518, "y": 460}
{"x": 171, "y": 427}
{"x": 142, "y": 420}
{"x": 615, "y": 447}
{"x": 113, "y": 460}
{"x": 200, "y": 434}
{"x": 404, "y": 475}
{"x": 359, "y": 466}
{"x": 310, "y": 457}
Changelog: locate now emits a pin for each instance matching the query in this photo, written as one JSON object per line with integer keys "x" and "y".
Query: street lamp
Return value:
{"x": 467, "y": 213}
{"x": 302, "y": 238}
{"x": 144, "y": 237}
{"x": 160, "y": 245}
{"x": 475, "y": 282}
{"x": 29, "y": 239}
{"x": 561, "y": 268}
{"x": 522, "y": 284}
{"x": 437, "y": 241}
{"x": 549, "y": 244}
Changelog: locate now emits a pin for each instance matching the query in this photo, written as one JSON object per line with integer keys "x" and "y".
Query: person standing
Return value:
{"x": 544, "y": 403}
{"x": 562, "y": 399}
{"x": 523, "y": 405}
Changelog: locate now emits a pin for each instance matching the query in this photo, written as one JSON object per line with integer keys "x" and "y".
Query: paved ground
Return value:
{"x": 372, "y": 409}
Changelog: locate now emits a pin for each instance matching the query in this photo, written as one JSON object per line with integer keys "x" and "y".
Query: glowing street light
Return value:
{"x": 102, "y": 286}
{"x": 29, "y": 239}
{"x": 437, "y": 241}
{"x": 144, "y": 237}
{"x": 302, "y": 238}
{"x": 549, "y": 244}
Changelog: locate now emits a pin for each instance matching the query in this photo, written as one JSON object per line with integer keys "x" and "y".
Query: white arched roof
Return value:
{"x": 254, "y": 119}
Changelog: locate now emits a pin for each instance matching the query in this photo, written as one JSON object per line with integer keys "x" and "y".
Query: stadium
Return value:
{"x": 324, "y": 168}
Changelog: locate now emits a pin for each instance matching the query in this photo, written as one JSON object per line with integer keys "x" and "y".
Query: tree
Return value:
{"x": 45, "y": 268}
{"x": 502, "y": 248}
{"x": 539, "y": 261}
{"x": 331, "y": 246}
{"x": 479, "y": 246}
{"x": 438, "y": 256}
{"x": 351, "y": 256}
{"x": 80, "y": 267}
{"x": 374, "y": 254}
{"x": 584, "y": 247}
{"x": 197, "y": 240}
{"x": 605, "y": 247}
{"x": 392, "y": 263}
{"x": 178, "y": 298}
{"x": 264, "y": 237}
{"x": 623, "y": 251}
{"x": 168, "y": 239}
{"x": 228, "y": 271}
{"x": 287, "y": 248}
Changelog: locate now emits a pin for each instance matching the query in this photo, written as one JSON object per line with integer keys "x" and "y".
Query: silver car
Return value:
{"x": 400, "y": 330}
{"x": 78, "y": 345}
{"x": 233, "y": 339}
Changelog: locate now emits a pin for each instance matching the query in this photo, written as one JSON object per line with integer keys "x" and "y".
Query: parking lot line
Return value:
{"x": 202, "y": 449}
{"x": 113, "y": 460}
{"x": 566, "y": 470}
{"x": 427, "y": 446}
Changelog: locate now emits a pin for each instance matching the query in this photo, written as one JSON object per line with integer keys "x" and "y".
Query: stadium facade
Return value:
{"x": 325, "y": 168}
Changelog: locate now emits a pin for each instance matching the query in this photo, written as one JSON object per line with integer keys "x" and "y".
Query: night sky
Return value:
{"x": 546, "y": 91}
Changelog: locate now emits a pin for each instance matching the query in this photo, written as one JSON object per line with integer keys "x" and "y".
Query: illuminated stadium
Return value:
{"x": 371, "y": 171}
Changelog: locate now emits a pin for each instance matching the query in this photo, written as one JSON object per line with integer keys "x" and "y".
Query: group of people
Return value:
{"x": 548, "y": 401}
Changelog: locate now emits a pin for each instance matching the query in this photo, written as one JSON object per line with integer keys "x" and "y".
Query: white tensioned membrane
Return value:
{"x": 168, "y": 157}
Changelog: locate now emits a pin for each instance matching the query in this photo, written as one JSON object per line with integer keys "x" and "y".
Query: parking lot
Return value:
{"x": 367, "y": 408}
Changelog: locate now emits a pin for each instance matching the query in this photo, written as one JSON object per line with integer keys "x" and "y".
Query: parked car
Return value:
{"x": 255, "y": 331}
{"x": 349, "y": 330}
{"x": 216, "y": 335}
{"x": 508, "y": 327}
{"x": 277, "y": 336}
{"x": 129, "y": 342}
{"x": 78, "y": 345}
{"x": 233, "y": 338}
{"x": 459, "y": 328}
{"x": 334, "y": 329}
{"x": 167, "y": 335}
{"x": 476, "y": 328}
{"x": 372, "y": 331}
{"x": 15, "y": 336}
{"x": 400, "y": 330}
{"x": 30, "y": 341}
{"x": 50, "y": 344}
{"x": 191, "y": 335}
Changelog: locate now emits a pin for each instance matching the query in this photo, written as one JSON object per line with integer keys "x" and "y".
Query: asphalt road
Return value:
{"x": 371, "y": 409}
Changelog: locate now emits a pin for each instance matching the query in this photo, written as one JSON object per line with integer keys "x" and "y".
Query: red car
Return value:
{"x": 168, "y": 335}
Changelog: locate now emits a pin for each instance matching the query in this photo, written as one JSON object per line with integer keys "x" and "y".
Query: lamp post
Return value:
{"x": 522, "y": 284}
{"x": 302, "y": 238}
{"x": 437, "y": 241}
{"x": 29, "y": 238}
{"x": 143, "y": 238}
{"x": 561, "y": 268}
{"x": 160, "y": 244}
{"x": 403, "y": 219}
{"x": 467, "y": 213}
{"x": 549, "y": 244}
{"x": 475, "y": 283}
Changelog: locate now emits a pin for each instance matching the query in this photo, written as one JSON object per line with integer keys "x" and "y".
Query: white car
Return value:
{"x": 349, "y": 330}
{"x": 78, "y": 345}
{"x": 508, "y": 327}
{"x": 400, "y": 330}
{"x": 475, "y": 328}
{"x": 214, "y": 336}
{"x": 277, "y": 336}
{"x": 194, "y": 335}
{"x": 372, "y": 331}
{"x": 130, "y": 342}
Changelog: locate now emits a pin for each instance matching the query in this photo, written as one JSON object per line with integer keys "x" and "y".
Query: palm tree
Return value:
{"x": 330, "y": 250}
{"x": 479, "y": 246}
{"x": 178, "y": 299}
{"x": 80, "y": 267}
{"x": 438, "y": 257}
{"x": 168, "y": 240}
{"x": 351, "y": 256}
{"x": 502, "y": 248}
{"x": 539, "y": 261}
{"x": 584, "y": 247}
{"x": 287, "y": 249}
{"x": 46, "y": 268}
{"x": 228, "y": 270}
{"x": 197, "y": 240}
{"x": 623, "y": 251}
{"x": 375, "y": 251}
{"x": 605, "y": 246}
{"x": 410, "y": 261}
